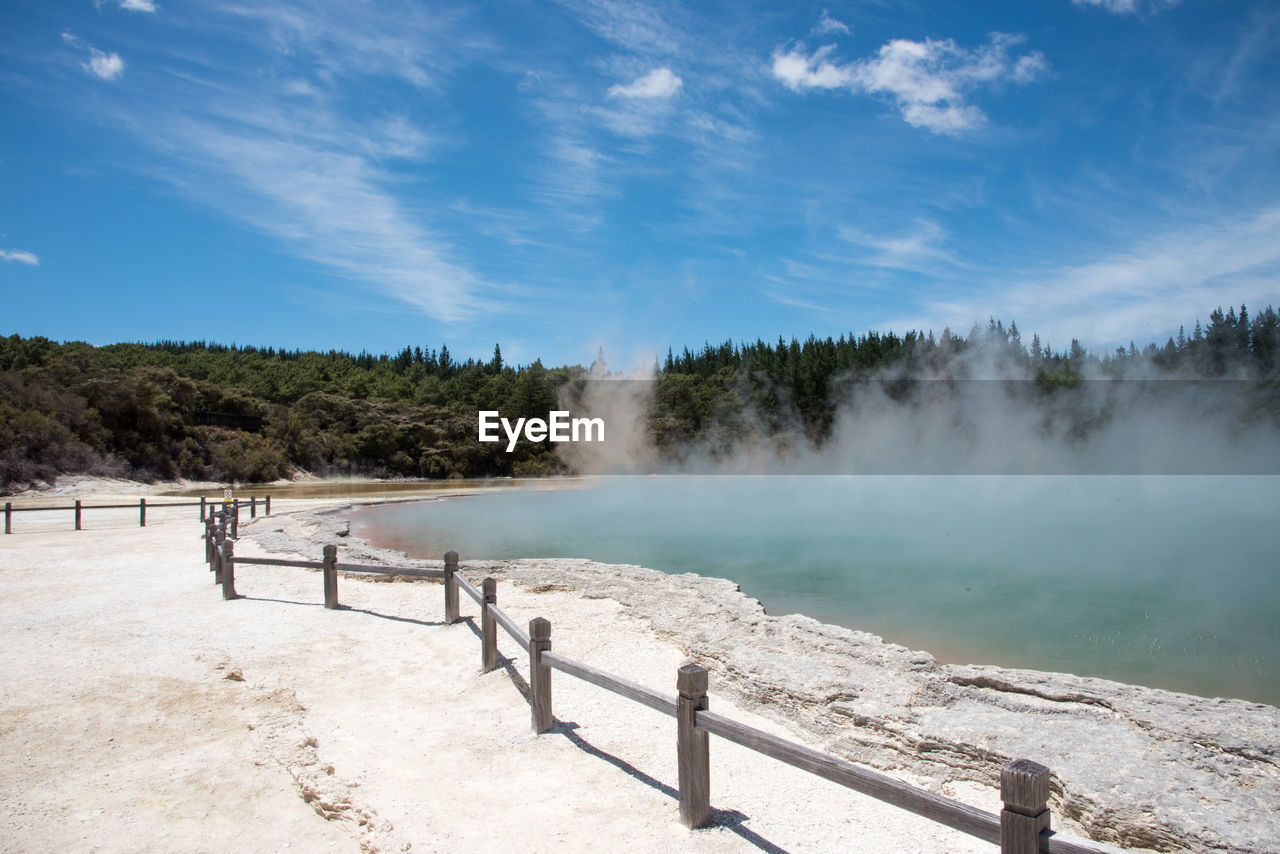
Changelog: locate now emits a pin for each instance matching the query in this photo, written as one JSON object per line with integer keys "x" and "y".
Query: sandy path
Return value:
{"x": 125, "y": 726}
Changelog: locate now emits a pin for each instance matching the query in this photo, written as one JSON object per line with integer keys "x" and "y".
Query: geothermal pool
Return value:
{"x": 1166, "y": 581}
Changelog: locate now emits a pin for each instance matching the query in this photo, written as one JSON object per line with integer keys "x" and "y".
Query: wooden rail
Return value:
{"x": 142, "y": 506}
{"x": 469, "y": 588}
{"x": 271, "y": 561}
{"x": 518, "y": 634}
{"x": 602, "y": 679}
{"x": 1022, "y": 827}
{"x": 953, "y": 814}
{"x": 410, "y": 571}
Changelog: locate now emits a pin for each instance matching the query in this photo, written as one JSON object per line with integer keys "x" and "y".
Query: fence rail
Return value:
{"x": 1022, "y": 827}
{"x": 470, "y": 590}
{"x": 518, "y": 634}
{"x": 206, "y": 506}
{"x": 655, "y": 700}
{"x": 953, "y": 814}
{"x": 271, "y": 561}
{"x": 409, "y": 571}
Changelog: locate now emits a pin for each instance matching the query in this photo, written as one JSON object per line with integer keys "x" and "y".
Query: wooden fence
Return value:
{"x": 1022, "y": 827}
{"x": 142, "y": 507}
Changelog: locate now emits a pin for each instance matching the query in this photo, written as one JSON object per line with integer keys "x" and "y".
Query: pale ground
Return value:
{"x": 125, "y": 726}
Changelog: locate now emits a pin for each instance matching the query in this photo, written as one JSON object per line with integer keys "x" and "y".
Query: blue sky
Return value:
{"x": 564, "y": 176}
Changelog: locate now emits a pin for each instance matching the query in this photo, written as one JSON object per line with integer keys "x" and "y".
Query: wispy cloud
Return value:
{"x": 330, "y": 207}
{"x": 567, "y": 176}
{"x": 659, "y": 83}
{"x": 1129, "y": 7}
{"x": 827, "y": 25}
{"x": 678, "y": 109}
{"x": 632, "y": 25}
{"x": 129, "y": 5}
{"x": 642, "y": 108}
{"x": 405, "y": 40}
{"x": 1143, "y": 292}
{"x": 919, "y": 248}
{"x": 20, "y": 256}
{"x": 282, "y": 151}
{"x": 929, "y": 80}
{"x": 107, "y": 66}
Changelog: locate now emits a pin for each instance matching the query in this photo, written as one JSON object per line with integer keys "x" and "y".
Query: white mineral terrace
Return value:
{"x": 142, "y": 712}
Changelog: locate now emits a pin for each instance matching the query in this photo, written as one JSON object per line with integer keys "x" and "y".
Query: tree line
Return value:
{"x": 135, "y": 410}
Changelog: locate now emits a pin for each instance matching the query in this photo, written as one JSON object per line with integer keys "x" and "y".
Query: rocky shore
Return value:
{"x": 1132, "y": 766}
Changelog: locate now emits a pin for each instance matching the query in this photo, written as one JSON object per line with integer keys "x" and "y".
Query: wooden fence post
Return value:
{"x": 235, "y": 519}
{"x": 1024, "y": 788}
{"x": 229, "y": 570}
{"x": 208, "y": 541}
{"x": 268, "y": 508}
{"x": 330, "y": 577}
{"x": 539, "y": 674}
{"x": 488, "y": 627}
{"x": 202, "y": 505}
{"x": 693, "y": 760}
{"x": 450, "y": 588}
{"x": 142, "y": 512}
{"x": 77, "y": 514}
{"x": 8, "y": 517}
{"x": 217, "y": 555}
{"x": 253, "y": 507}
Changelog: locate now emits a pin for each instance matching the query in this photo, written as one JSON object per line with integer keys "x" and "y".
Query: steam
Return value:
{"x": 978, "y": 411}
{"x": 622, "y": 403}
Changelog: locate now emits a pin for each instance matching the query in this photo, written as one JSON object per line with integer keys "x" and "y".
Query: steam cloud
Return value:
{"x": 980, "y": 413}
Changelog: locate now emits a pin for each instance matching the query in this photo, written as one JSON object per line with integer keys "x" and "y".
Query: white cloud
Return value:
{"x": 276, "y": 145}
{"x": 1029, "y": 67}
{"x": 918, "y": 249}
{"x": 342, "y": 40}
{"x": 659, "y": 83}
{"x": 1143, "y": 293}
{"x": 827, "y": 25}
{"x": 1117, "y": 6}
{"x": 799, "y": 72}
{"x": 20, "y": 256}
{"x": 929, "y": 80}
{"x": 632, "y": 25}
{"x": 107, "y": 66}
{"x": 130, "y": 5}
{"x": 1128, "y": 7}
{"x": 328, "y": 205}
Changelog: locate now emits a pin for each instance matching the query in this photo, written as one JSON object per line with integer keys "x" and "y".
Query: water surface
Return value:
{"x": 1167, "y": 581}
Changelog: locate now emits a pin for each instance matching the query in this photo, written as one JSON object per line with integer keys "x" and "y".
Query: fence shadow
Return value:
{"x": 732, "y": 820}
{"x": 569, "y": 730}
{"x": 280, "y": 601}
{"x": 434, "y": 623}
{"x": 1022, "y": 825}
{"x": 506, "y": 664}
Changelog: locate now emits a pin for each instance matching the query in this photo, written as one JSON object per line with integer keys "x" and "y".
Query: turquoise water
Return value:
{"x": 1167, "y": 581}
